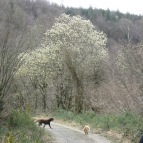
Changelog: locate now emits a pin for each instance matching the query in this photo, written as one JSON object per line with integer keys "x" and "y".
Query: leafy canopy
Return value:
{"x": 71, "y": 38}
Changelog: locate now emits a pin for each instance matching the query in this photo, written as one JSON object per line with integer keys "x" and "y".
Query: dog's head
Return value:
{"x": 51, "y": 119}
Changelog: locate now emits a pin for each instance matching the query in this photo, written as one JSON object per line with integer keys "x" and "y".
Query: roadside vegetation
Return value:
{"x": 123, "y": 126}
{"x": 19, "y": 127}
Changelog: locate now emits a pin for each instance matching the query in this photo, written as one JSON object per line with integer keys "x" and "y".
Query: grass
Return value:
{"x": 128, "y": 124}
{"x": 20, "y": 128}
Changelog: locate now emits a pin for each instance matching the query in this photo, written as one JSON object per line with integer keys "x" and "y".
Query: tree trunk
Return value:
{"x": 79, "y": 99}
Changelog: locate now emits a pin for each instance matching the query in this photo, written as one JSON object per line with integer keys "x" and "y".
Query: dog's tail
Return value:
{"x": 86, "y": 126}
{"x": 35, "y": 119}
{"x": 86, "y": 129}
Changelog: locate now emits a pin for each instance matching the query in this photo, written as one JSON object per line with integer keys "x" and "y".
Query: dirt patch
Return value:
{"x": 48, "y": 137}
{"x": 69, "y": 134}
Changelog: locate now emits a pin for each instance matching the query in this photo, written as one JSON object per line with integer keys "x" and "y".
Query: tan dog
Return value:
{"x": 86, "y": 129}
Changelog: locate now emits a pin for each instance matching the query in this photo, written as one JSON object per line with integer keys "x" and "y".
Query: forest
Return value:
{"x": 75, "y": 59}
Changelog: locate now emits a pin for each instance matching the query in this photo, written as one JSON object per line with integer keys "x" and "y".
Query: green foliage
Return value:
{"x": 107, "y": 14}
{"x": 21, "y": 129}
{"x": 127, "y": 122}
{"x": 18, "y": 119}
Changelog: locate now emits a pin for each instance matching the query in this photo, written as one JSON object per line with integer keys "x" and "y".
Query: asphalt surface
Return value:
{"x": 68, "y": 134}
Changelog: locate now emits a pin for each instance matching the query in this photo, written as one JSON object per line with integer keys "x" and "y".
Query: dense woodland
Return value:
{"x": 104, "y": 86}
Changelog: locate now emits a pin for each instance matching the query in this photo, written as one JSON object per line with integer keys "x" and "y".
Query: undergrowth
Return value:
{"x": 127, "y": 123}
{"x": 19, "y": 127}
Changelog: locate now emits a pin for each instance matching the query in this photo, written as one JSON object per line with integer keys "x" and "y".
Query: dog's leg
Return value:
{"x": 50, "y": 126}
{"x": 85, "y": 131}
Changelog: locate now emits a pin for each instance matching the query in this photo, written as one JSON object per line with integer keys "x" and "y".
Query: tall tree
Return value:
{"x": 72, "y": 47}
{"x": 15, "y": 37}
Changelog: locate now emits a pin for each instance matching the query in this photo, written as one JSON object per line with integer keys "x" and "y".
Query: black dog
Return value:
{"x": 45, "y": 122}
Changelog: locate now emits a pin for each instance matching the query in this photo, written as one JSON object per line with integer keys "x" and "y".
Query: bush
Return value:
{"x": 20, "y": 119}
{"x": 20, "y": 128}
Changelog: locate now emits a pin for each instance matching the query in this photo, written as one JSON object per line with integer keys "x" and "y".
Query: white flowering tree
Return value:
{"x": 38, "y": 68}
{"x": 73, "y": 50}
{"x": 81, "y": 48}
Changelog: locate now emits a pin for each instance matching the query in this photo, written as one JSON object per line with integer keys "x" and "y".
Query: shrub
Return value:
{"x": 20, "y": 119}
{"x": 20, "y": 128}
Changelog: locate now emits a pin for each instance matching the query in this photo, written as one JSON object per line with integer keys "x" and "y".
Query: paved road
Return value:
{"x": 68, "y": 134}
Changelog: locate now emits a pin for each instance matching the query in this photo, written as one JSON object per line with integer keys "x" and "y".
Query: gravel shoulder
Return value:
{"x": 67, "y": 134}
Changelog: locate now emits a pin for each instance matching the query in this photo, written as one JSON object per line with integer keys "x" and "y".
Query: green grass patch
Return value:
{"x": 19, "y": 127}
{"x": 129, "y": 124}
